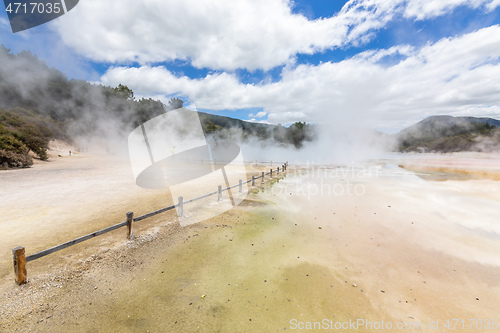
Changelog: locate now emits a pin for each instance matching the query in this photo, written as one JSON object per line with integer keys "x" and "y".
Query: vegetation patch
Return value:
{"x": 22, "y": 132}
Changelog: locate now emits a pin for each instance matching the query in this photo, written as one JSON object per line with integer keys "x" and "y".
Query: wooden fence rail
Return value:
{"x": 20, "y": 258}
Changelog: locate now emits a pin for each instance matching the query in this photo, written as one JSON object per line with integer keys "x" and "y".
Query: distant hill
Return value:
{"x": 438, "y": 126}
{"x": 450, "y": 134}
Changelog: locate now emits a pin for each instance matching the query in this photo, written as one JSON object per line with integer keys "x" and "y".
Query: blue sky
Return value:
{"x": 387, "y": 63}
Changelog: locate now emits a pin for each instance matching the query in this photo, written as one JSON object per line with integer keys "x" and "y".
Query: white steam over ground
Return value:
{"x": 335, "y": 144}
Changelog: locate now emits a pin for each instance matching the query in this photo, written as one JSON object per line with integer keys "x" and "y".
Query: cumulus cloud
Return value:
{"x": 458, "y": 76}
{"x": 227, "y": 34}
{"x": 220, "y": 34}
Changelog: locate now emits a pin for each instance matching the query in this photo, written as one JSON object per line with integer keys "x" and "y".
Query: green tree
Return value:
{"x": 124, "y": 92}
{"x": 175, "y": 103}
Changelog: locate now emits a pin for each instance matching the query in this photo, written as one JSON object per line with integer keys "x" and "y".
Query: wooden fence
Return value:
{"x": 20, "y": 258}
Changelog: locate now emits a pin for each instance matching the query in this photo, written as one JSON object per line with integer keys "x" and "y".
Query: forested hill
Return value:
{"x": 451, "y": 134}
{"x": 38, "y": 103}
{"x": 239, "y": 130}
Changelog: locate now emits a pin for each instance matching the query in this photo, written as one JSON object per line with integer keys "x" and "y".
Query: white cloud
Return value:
{"x": 192, "y": 107}
{"x": 227, "y": 34}
{"x": 4, "y": 23}
{"x": 459, "y": 76}
{"x": 260, "y": 114}
{"x": 221, "y": 34}
{"x": 423, "y": 9}
{"x": 253, "y": 120}
{"x": 493, "y": 4}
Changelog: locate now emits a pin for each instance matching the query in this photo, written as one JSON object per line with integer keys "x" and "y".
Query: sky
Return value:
{"x": 385, "y": 63}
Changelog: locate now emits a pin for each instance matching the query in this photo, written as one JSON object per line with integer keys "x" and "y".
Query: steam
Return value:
{"x": 488, "y": 144}
{"x": 330, "y": 145}
{"x": 93, "y": 118}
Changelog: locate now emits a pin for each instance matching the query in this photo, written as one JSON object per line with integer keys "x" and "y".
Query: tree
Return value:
{"x": 124, "y": 92}
{"x": 175, "y": 103}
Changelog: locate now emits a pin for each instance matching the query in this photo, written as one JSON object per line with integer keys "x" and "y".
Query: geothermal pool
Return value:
{"x": 363, "y": 242}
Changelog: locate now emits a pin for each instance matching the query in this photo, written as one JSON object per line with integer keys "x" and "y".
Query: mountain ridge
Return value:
{"x": 450, "y": 134}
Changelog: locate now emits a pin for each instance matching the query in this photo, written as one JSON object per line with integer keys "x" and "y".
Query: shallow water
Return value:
{"x": 344, "y": 243}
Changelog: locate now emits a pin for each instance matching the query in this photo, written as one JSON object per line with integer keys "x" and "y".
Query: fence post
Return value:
{"x": 220, "y": 192}
{"x": 241, "y": 186}
{"x": 180, "y": 211}
{"x": 278, "y": 170}
{"x": 253, "y": 180}
{"x": 263, "y": 175}
{"x": 20, "y": 265}
{"x": 271, "y": 172}
{"x": 130, "y": 225}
